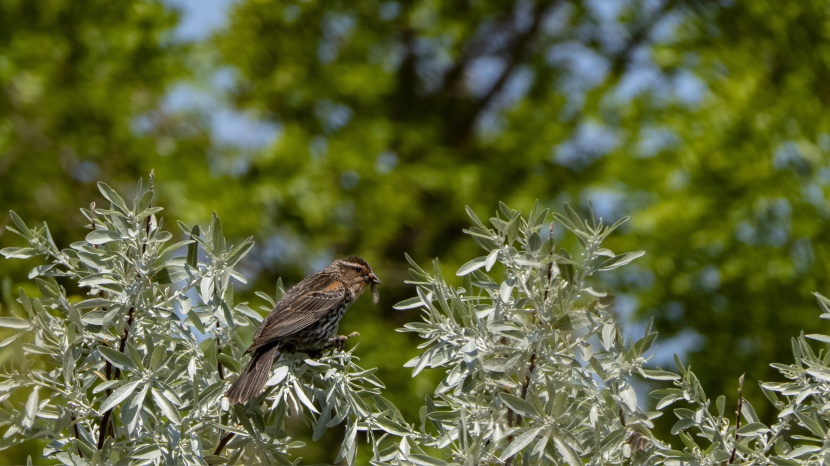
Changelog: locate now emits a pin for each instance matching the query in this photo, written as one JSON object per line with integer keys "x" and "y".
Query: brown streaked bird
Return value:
{"x": 306, "y": 317}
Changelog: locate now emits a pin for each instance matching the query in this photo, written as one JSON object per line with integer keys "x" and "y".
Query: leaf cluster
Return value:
{"x": 134, "y": 371}
{"x": 536, "y": 369}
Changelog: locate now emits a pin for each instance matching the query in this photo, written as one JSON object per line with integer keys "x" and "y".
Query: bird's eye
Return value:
{"x": 357, "y": 268}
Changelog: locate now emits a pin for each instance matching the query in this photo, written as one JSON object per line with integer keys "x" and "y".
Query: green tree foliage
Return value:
{"x": 74, "y": 76}
{"x": 706, "y": 120}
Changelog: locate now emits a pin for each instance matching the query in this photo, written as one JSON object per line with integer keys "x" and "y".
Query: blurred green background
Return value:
{"x": 329, "y": 128}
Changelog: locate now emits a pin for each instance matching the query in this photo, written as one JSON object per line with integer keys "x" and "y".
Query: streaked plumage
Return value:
{"x": 305, "y": 318}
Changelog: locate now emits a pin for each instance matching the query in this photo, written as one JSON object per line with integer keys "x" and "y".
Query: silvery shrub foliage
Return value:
{"x": 130, "y": 367}
{"x": 126, "y": 353}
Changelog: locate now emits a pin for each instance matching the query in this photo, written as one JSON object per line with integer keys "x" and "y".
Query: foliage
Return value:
{"x": 728, "y": 187}
{"x": 708, "y": 120}
{"x": 705, "y": 121}
{"x": 536, "y": 369}
{"x": 136, "y": 370}
{"x": 536, "y": 366}
{"x": 800, "y": 403}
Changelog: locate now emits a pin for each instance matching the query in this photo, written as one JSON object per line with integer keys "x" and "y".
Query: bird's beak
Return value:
{"x": 372, "y": 278}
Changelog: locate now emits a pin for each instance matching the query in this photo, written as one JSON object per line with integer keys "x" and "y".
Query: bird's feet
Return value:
{"x": 339, "y": 341}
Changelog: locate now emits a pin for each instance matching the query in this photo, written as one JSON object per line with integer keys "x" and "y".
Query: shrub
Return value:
{"x": 132, "y": 365}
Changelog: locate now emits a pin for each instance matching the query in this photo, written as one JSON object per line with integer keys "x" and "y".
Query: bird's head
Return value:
{"x": 357, "y": 273}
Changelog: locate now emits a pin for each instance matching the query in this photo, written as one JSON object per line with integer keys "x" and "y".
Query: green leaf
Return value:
{"x": 102, "y": 236}
{"x": 659, "y": 374}
{"x": 193, "y": 248}
{"x": 196, "y": 321}
{"x": 14, "y": 322}
{"x": 519, "y": 443}
{"x": 819, "y": 337}
{"x": 752, "y": 429}
{"x": 518, "y": 405}
{"x": 613, "y": 441}
{"x": 238, "y": 252}
{"x": 512, "y": 228}
{"x": 169, "y": 275}
{"x": 229, "y": 362}
{"x": 300, "y": 392}
{"x": 322, "y": 425}
{"x": 22, "y": 229}
{"x": 571, "y": 456}
{"x": 823, "y": 302}
{"x": 94, "y": 302}
{"x": 620, "y": 260}
{"x": 720, "y": 403}
{"x": 18, "y": 253}
{"x": 146, "y": 452}
{"x": 682, "y": 424}
{"x": 474, "y": 217}
{"x": 115, "y": 199}
{"x": 534, "y": 243}
{"x": 810, "y": 422}
{"x": 391, "y": 426}
{"x": 97, "y": 279}
{"x": 424, "y": 460}
{"x": 410, "y": 303}
{"x": 164, "y": 404}
{"x": 49, "y": 287}
{"x": 158, "y": 357}
{"x": 31, "y": 409}
{"x": 474, "y": 264}
{"x": 159, "y": 236}
{"x": 117, "y": 358}
{"x": 491, "y": 259}
{"x": 118, "y": 396}
{"x": 218, "y": 238}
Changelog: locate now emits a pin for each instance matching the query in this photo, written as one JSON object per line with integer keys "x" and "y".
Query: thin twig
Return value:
{"x": 77, "y": 435}
{"x": 525, "y": 386}
{"x": 738, "y": 417}
{"x": 105, "y": 420}
{"x": 550, "y": 264}
{"x": 218, "y": 362}
{"x": 105, "y": 428}
{"x": 227, "y": 438}
{"x": 94, "y": 226}
{"x": 527, "y": 383}
{"x": 510, "y": 414}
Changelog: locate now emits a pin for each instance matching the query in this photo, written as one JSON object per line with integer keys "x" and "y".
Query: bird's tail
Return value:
{"x": 253, "y": 377}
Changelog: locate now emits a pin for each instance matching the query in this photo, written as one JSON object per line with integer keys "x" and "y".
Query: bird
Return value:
{"x": 305, "y": 318}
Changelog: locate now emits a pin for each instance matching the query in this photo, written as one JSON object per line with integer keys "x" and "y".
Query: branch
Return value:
{"x": 517, "y": 52}
{"x": 218, "y": 362}
{"x": 639, "y": 36}
{"x": 510, "y": 413}
{"x": 738, "y": 417}
{"x": 227, "y": 438}
{"x": 105, "y": 420}
{"x": 77, "y": 435}
{"x": 475, "y": 47}
{"x": 528, "y": 375}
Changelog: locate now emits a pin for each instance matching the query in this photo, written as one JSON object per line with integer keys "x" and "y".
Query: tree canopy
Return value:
{"x": 706, "y": 122}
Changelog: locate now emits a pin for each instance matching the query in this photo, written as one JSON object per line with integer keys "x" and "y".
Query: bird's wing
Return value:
{"x": 302, "y": 305}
